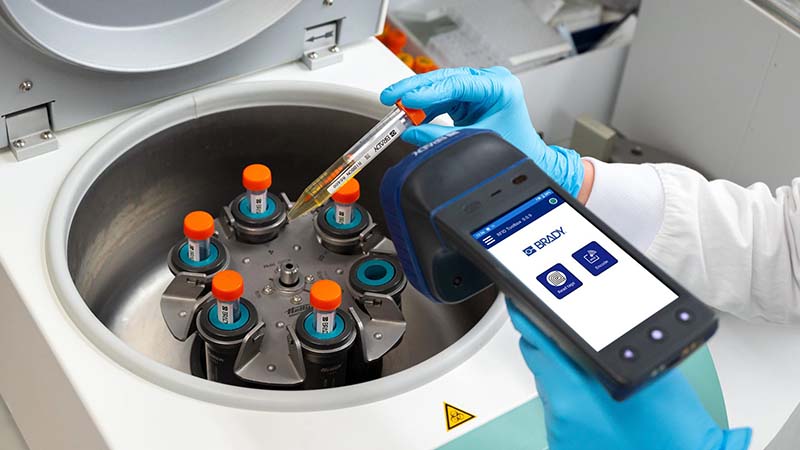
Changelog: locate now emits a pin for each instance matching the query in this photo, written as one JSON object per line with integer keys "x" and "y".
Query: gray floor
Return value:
{"x": 10, "y": 439}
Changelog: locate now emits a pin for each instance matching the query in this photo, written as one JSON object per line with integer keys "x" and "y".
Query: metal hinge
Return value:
{"x": 320, "y": 46}
{"x": 29, "y": 133}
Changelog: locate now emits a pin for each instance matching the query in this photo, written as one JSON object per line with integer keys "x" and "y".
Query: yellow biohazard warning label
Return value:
{"x": 455, "y": 417}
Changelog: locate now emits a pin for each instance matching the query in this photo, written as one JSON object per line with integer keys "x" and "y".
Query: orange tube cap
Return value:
{"x": 348, "y": 193}
{"x": 407, "y": 59}
{"x": 326, "y": 295}
{"x": 423, "y": 64}
{"x": 256, "y": 177}
{"x": 227, "y": 286}
{"x": 198, "y": 225}
{"x": 417, "y": 116}
{"x": 395, "y": 39}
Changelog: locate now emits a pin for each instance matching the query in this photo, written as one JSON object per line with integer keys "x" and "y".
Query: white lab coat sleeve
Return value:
{"x": 736, "y": 248}
{"x": 628, "y": 198}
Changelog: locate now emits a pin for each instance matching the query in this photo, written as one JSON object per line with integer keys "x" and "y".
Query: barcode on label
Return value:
{"x": 379, "y": 146}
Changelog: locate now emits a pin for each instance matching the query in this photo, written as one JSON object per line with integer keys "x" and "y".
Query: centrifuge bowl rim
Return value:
{"x": 181, "y": 109}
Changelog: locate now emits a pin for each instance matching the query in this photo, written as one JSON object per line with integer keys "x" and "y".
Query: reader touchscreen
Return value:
{"x": 579, "y": 273}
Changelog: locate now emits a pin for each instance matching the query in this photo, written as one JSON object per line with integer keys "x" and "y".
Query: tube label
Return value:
{"x": 227, "y": 312}
{"x": 324, "y": 321}
{"x": 198, "y": 250}
{"x": 258, "y": 202}
{"x": 378, "y": 145}
{"x": 344, "y": 214}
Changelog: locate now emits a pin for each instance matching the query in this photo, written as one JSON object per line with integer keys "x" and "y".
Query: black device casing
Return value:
{"x": 463, "y": 184}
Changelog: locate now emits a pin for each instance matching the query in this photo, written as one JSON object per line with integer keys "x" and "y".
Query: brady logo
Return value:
{"x": 529, "y": 250}
{"x": 550, "y": 238}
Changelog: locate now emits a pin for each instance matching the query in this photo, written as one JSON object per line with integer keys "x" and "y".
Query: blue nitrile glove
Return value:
{"x": 491, "y": 99}
{"x": 580, "y": 414}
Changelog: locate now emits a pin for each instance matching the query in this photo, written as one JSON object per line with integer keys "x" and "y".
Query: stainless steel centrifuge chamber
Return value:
{"x": 120, "y": 209}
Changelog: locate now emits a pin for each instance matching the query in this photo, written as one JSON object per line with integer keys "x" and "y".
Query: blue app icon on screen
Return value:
{"x": 559, "y": 281}
{"x": 594, "y": 258}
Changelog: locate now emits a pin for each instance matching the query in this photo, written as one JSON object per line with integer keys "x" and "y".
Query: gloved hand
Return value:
{"x": 491, "y": 99}
{"x": 580, "y": 414}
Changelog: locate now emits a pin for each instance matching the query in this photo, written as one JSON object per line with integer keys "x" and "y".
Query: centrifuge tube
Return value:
{"x": 227, "y": 287}
{"x": 356, "y": 158}
{"x": 326, "y": 297}
{"x": 343, "y": 201}
{"x": 257, "y": 178}
{"x": 198, "y": 227}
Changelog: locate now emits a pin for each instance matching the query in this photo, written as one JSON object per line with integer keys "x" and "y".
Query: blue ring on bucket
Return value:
{"x": 338, "y": 327}
{"x": 244, "y": 316}
{"x": 244, "y": 208}
{"x": 213, "y": 254}
{"x": 361, "y": 273}
{"x": 331, "y": 219}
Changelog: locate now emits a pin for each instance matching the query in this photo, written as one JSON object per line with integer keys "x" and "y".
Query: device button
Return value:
{"x": 594, "y": 258}
{"x": 628, "y": 354}
{"x": 657, "y": 334}
{"x": 684, "y": 316}
{"x": 559, "y": 281}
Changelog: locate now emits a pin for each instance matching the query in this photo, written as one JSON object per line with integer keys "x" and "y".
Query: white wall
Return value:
{"x": 718, "y": 83}
{"x": 556, "y": 94}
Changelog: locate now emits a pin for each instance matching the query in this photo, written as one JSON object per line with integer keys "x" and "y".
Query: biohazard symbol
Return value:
{"x": 455, "y": 417}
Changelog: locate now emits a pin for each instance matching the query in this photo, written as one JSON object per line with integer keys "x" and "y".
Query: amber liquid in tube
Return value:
{"x": 350, "y": 164}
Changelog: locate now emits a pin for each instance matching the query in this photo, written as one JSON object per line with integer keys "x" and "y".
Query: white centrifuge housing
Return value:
{"x": 93, "y": 187}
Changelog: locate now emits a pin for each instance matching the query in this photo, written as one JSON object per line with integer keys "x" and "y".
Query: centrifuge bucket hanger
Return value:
{"x": 279, "y": 263}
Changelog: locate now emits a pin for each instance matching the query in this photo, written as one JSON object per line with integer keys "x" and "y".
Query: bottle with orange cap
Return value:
{"x": 325, "y": 297}
{"x": 257, "y": 178}
{"x": 227, "y": 287}
{"x": 258, "y": 214}
{"x": 198, "y": 227}
{"x": 326, "y": 336}
{"x": 224, "y": 320}
{"x": 343, "y": 201}
{"x": 340, "y": 225}
{"x": 201, "y": 251}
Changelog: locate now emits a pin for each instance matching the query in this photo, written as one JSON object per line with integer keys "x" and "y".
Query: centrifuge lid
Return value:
{"x": 141, "y": 35}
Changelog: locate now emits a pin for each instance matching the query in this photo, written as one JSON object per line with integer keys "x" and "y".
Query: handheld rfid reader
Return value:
{"x": 469, "y": 210}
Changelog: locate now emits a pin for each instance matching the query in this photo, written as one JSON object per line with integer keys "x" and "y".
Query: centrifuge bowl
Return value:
{"x": 120, "y": 209}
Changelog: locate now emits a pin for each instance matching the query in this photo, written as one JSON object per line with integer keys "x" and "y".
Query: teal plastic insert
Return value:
{"x": 183, "y": 254}
{"x": 375, "y": 272}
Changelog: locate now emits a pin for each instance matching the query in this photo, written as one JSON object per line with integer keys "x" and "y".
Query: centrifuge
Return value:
{"x": 120, "y": 118}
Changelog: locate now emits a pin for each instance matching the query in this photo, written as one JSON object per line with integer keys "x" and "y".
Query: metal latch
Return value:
{"x": 29, "y": 133}
{"x": 181, "y": 301}
{"x": 320, "y": 47}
